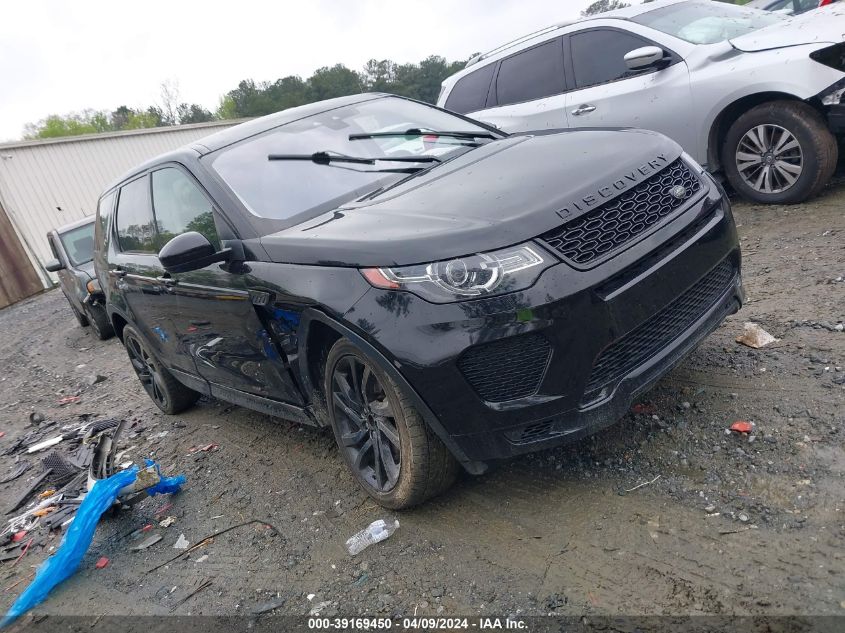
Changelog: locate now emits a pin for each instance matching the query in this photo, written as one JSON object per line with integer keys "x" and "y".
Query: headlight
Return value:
{"x": 475, "y": 276}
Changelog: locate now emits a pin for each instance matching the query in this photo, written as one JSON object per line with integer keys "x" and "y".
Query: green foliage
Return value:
{"x": 600, "y": 6}
{"x": 250, "y": 99}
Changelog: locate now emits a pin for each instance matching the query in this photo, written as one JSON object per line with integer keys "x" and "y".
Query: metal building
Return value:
{"x": 48, "y": 183}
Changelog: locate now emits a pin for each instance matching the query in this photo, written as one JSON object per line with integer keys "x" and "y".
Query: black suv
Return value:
{"x": 439, "y": 292}
{"x": 72, "y": 246}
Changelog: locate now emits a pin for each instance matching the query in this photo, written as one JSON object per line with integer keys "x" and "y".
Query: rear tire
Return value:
{"x": 168, "y": 394}
{"x": 99, "y": 323}
{"x": 371, "y": 415}
{"x": 780, "y": 152}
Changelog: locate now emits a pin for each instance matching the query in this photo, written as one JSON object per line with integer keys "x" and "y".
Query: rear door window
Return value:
{"x": 180, "y": 206}
{"x": 104, "y": 211}
{"x": 470, "y": 93}
{"x": 598, "y": 56}
{"x": 531, "y": 74}
{"x": 135, "y": 226}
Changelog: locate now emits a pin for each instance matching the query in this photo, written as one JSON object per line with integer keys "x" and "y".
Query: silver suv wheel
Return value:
{"x": 769, "y": 158}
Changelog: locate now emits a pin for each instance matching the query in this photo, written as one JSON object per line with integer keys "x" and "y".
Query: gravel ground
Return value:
{"x": 726, "y": 524}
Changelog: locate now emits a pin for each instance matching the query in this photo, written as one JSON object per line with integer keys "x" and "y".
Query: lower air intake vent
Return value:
{"x": 507, "y": 369}
{"x": 638, "y": 346}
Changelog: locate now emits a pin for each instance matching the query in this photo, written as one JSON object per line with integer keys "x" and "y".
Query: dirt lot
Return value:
{"x": 727, "y": 525}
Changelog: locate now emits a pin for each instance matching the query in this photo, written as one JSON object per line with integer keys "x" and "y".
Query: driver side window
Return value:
{"x": 598, "y": 56}
{"x": 180, "y": 206}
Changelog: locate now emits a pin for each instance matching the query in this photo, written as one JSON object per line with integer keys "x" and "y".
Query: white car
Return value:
{"x": 753, "y": 94}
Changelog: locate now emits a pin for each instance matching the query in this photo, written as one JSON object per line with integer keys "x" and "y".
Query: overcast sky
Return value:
{"x": 60, "y": 57}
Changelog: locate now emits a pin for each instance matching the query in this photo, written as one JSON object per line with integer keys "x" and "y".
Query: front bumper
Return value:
{"x": 591, "y": 331}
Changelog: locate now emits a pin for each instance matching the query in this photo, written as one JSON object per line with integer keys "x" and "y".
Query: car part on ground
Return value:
{"x": 487, "y": 302}
{"x": 690, "y": 69}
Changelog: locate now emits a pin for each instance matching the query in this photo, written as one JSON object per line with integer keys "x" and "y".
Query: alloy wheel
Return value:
{"x": 146, "y": 368}
{"x": 769, "y": 158}
{"x": 366, "y": 423}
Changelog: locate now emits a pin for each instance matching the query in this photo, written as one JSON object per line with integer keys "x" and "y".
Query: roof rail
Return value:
{"x": 516, "y": 42}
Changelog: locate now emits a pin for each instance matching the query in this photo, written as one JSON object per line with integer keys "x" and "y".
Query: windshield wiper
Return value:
{"x": 416, "y": 132}
{"x": 325, "y": 158}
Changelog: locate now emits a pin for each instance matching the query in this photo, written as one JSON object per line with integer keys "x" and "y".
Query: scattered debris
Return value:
{"x": 375, "y": 532}
{"x": 68, "y": 400}
{"x": 211, "y": 537}
{"x": 66, "y": 559}
{"x": 202, "y": 558}
{"x": 23, "y": 553}
{"x": 167, "y": 522}
{"x": 36, "y": 418}
{"x": 203, "y": 585}
{"x": 265, "y": 607}
{"x": 181, "y": 542}
{"x": 101, "y": 562}
{"x": 203, "y": 449}
{"x": 149, "y": 542}
{"x": 741, "y": 426}
{"x": 45, "y": 444}
{"x": 19, "y": 470}
{"x": 754, "y": 336}
{"x": 645, "y": 483}
{"x": 643, "y": 409}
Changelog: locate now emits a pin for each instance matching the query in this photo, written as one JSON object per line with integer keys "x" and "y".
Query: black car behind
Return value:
{"x": 72, "y": 247}
{"x": 436, "y": 291}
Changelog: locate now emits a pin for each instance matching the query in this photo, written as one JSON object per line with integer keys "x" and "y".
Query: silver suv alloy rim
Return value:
{"x": 769, "y": 158}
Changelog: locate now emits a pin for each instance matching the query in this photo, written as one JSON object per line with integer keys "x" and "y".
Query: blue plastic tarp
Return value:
{"x": 64, "y": 562}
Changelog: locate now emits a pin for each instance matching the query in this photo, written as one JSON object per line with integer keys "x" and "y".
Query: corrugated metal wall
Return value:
{"x": 45, "y": 184}
{"x": 18, "y": 278}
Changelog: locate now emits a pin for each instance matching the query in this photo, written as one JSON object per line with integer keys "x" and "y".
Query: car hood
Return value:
{"x": 818, "y": 26}
{"x": 87, "y": 268}
{"x": 497, "y": 195}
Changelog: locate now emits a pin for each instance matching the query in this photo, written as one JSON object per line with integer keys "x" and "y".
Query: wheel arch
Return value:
{"x": 118, "y": 322}
{"x": 318, "y": 328}
{"x": 729, "y": 114}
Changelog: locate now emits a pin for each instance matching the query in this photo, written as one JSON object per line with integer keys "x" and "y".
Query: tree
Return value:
{"x": 167, "y": 109}
{"x": 193, "y": 113}
{"x": 600, "y": 6}
{"x": 337, "y": 81}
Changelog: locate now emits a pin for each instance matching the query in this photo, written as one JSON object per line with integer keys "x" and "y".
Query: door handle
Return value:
{"x": 584, "y": 109}
{"x": 119, "y": 272}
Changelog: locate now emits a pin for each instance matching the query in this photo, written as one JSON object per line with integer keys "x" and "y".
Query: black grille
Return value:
{"x": 508, "y": 369}
{"x": 608, "y": 228}
{"x": 636, "y": 347}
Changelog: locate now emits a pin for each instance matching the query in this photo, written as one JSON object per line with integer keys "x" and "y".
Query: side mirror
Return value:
{"x": 54, "y": 266}
{"x": 645, "y": 57}
{"x": 190, "y": 251}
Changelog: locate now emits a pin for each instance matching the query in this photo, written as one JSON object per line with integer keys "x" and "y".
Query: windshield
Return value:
{"x": 706, "y": 22}
{"x": 79, "y": 244}
{"x": 281, "y": 190}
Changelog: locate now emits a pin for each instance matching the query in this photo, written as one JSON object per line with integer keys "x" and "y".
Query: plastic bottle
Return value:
{"x": 376, "y": 532}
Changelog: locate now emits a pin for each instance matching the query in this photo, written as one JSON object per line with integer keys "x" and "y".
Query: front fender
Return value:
{"x": 311, "y": 315}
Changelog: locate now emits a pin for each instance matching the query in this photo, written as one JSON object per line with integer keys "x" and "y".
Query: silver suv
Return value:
{"x": 753, "y": 94}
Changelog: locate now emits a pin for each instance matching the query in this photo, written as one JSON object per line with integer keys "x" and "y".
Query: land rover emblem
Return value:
{"x": 679, "y": 192}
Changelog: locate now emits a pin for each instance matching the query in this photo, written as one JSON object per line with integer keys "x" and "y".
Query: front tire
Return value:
{"x": 383, "y": 439}
{"x": 168, "y": 394}
{"x": 99, "y": 322}
{"x": 779, "y": 152}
